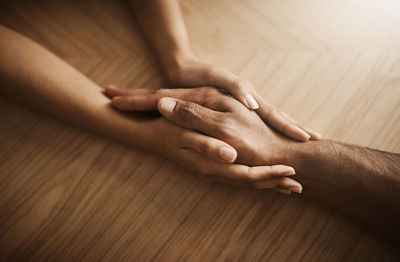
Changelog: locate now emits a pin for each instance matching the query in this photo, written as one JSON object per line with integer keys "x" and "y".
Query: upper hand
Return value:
{"x": 193, "y": 73}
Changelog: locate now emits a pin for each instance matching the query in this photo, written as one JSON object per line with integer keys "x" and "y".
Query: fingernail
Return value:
{"x": 167, "y": 104}
{"x": 304, "y": 132}
{"x": 296, "y": 189}
{"x": 111, "y": 86}
{"x": 251, "y": 101}
{"x": 319, "y": 136}
{"x": 290, "y": 172}
{"x": 227, "y": 154}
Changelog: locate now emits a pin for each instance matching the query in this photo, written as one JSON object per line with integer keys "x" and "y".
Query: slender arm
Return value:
{"x": 162, "y": 23}
{"x": 34, "y": 76}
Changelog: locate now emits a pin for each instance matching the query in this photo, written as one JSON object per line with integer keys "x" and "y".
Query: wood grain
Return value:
{"x": 69, "y": 195}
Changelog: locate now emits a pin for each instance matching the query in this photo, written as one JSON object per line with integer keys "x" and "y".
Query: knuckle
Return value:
{"x": 246, "y": 175}
{"x": 252, "y": 177}
{"x": 206, "y": 147}
{"x": 225, "y": 126}
{"x": 271, "y": 111}
{"x": 241, "y": 83}
{"x": 158, "y": 93}
{"x": 210, "y": 70}
{"x": 189, "y": 110}
{"x": 209, "y": 91}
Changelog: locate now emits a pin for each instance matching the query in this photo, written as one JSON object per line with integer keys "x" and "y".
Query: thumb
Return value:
{"x": 190, "y": 115}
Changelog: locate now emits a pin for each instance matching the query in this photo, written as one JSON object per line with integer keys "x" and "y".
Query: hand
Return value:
{"x": 210, "y": 158}
{"x": 212, "y": 113}
{"x": 189, "y": 72}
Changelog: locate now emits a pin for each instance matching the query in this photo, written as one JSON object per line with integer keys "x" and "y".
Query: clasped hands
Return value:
{"x": 218, "y": 137}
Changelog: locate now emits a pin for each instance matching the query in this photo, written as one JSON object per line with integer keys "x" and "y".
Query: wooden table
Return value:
{"x": 69, "y": 195}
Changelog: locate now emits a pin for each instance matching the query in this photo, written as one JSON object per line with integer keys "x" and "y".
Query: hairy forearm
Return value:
{"x": 34, "y": 76}
{"x": 162, "y": 24}
{"x": 361, "y": 182}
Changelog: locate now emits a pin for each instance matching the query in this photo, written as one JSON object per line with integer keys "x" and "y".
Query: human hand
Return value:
{"x": 210, "y": 158}
{"x": 212, "y": 113}
{"x": 189, "y": 72}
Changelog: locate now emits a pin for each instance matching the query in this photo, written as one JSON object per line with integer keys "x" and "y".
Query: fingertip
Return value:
{"x": 292, "y": 185}
{"x": 227, "y": 154}
{"x": 301, "y": 135}
{"x": 297, "y": 189}
{"x": 251, "y": 102}
{"x": 244, "y": 102}
{"x": 315, "y": 135}
{"x": 166, "y": 105}
{"x": 290, "y": 171}
{"x": 282, "y": 170}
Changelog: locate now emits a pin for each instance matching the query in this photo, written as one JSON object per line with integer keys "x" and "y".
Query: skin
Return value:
{"x": 361, "y": 182}
{"x": 163, "y": 26}
{"x": 34, "y": 76}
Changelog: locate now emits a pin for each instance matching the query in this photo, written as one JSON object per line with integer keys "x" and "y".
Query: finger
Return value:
{"x": 272, "y": 116}
{"x": 239, "y": 88}
{"x": 258, "y": 173}
{"x": 190, "y": 115}
{"x": 281, "y": 182}
{"x": 209, "y": 146}
{"x": 112, "y": 91}
{"x": 248, "y": 175}
{"x": 234, "y": 172}
{"x": 135, "y": 102}
{"x": 314, "y": 135}
{"x": 144, "y": 99}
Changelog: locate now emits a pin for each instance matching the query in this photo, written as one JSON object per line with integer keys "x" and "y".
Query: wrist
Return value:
{"x": 305, "y": 157}
{"x": 293, "y": 153}
{"x": 177, "y": 62}
{"x": 285, "y": 152}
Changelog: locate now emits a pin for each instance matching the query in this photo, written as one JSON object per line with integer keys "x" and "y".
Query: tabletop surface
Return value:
{"x": 67, "y": 194}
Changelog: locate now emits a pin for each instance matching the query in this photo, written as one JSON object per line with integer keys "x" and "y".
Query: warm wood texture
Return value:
{"x": 69, "y": 195}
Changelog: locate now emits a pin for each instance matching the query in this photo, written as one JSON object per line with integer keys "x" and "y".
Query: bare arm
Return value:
{"x": 162, "y": 24}
{"x": 31, "y": 74}
{"x": 361, "y": 182}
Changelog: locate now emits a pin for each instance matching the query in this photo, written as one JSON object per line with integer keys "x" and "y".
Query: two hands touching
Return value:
{"x": 204, "y": 129}
{"x": 215, "y": 135}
